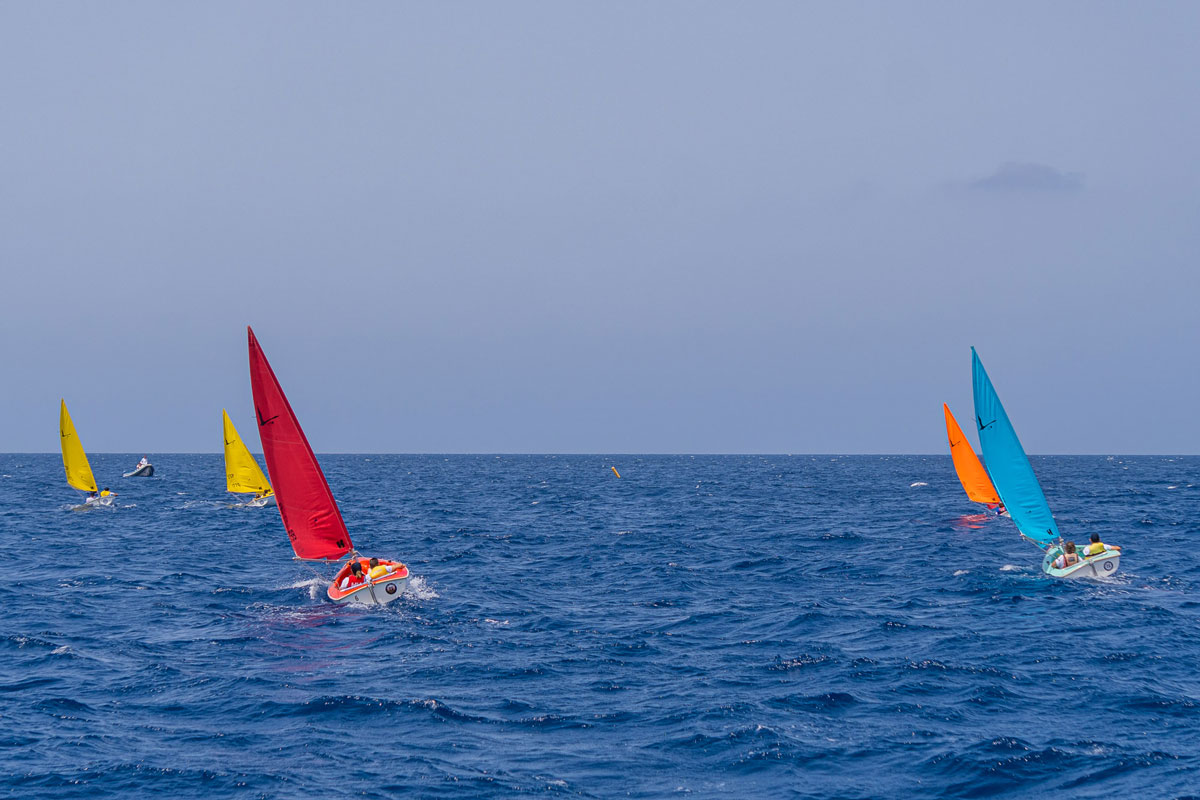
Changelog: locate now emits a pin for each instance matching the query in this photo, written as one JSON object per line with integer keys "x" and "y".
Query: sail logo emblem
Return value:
{"x": 261, "y": 421}
{"x": 983, "y": 427}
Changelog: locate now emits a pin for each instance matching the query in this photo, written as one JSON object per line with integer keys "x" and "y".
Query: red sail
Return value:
{"x": 310, "y": 514}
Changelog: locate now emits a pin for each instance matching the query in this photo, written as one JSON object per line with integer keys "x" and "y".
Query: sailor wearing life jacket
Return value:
{"x": 354, "y": 578}
{"x": 1097, "y": 547}
{"x": 1066, "y": 558}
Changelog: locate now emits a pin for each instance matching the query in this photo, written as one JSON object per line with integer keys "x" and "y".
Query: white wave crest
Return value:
{"x": 420, "y": 590}
{"x": 918, "y": 483}
{"x": 958, "y": 572}
{"x": 1010, "y": 568}
{"x": 314, "y": 586}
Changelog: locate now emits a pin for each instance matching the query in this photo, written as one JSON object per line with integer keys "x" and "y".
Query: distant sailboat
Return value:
{"x": 971, "y": 474}
{"x": 310, "y": 514}
{"x": 75, "y": 461}
{"x": 242, "y": 473}
{"x": 1018, "y": 486}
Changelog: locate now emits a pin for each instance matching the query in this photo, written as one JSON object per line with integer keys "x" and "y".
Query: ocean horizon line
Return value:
{"x": 583, "y": 453}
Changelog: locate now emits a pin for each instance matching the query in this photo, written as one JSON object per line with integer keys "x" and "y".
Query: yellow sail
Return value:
{"x": 242, "y": 473}
{"x": 79, "y": 472}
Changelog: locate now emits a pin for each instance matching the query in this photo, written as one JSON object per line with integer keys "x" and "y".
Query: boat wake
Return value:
{"x": 92, "y": 507}
{"x": 192, "y": 504}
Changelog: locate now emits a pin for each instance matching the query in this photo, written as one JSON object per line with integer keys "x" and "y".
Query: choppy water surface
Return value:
{"x": 810, "y": 626}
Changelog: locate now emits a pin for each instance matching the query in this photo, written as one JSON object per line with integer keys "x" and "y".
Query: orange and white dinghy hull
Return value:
{"x": 380, "y": 590}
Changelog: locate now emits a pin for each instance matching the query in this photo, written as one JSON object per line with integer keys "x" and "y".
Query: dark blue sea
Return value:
{"x": 707, "y": 626}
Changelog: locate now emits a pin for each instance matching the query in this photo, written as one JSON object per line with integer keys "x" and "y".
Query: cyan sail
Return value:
{"x": 1007, "y": 463}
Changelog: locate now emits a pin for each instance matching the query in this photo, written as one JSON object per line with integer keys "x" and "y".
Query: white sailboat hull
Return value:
{"x": 1101, "y": 566}
{"x": 380, "y": 592}
{"x": 99, "y": 502}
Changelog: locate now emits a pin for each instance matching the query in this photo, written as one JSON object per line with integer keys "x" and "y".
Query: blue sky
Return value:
{"x": 606, "y": 227}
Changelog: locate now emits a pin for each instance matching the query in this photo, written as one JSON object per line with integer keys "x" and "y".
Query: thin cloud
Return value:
{"x": 1015, "y": 177}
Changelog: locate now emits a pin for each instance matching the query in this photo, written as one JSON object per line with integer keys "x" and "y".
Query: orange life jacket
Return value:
{"x": 1065, "y": 560}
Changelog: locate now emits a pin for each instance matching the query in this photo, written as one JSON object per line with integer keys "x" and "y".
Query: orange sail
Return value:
{"x": 310, "y": 514}
{"x": 971, "y": 473}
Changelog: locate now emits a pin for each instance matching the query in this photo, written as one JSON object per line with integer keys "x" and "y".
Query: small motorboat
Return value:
{"x": 140, "y": 471}
{"x": 388, "y": 584}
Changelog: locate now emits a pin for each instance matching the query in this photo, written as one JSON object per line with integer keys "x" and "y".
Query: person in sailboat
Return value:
{"x": 354, "y": 578}
{"x": 144, "y": 462}
{"x": 1097, "y": 547}
{"x": 1067, "y": 558}
{"x": 377, "y": 569}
